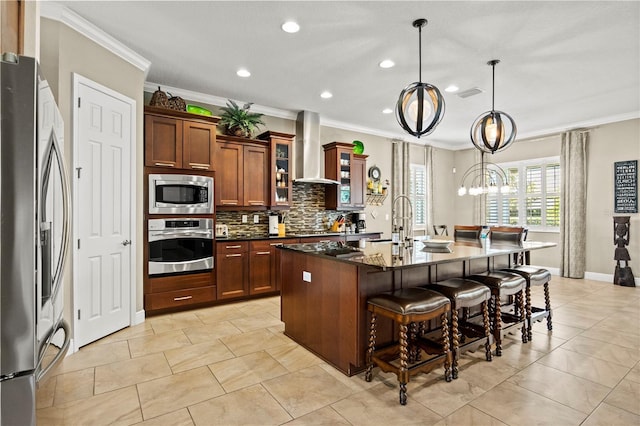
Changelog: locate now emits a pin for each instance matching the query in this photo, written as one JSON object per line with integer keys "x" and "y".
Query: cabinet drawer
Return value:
{"x": 231, "y": 247}
{"x": 179, "y": 282}
{"x": 265, "y": 245}
{"x": 172, "y": 299}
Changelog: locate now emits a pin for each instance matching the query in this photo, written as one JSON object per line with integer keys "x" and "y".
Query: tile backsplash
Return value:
{"x": 306, "y": 215}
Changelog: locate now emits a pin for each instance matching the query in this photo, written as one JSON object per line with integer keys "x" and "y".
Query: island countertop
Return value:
{"x": 385, "y": 254}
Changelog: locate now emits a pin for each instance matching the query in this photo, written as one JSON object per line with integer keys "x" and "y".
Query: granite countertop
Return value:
{"x": 252, "y": 237}
{"x": 384, "y": 254}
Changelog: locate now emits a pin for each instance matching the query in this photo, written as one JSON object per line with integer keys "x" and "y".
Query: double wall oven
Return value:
{"x": 182, "y": 243}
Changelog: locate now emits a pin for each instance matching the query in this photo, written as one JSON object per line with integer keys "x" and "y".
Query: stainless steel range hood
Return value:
{"x": 309, "y": 151}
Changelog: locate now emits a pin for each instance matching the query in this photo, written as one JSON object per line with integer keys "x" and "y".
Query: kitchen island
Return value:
{"x": 325, "y": 286}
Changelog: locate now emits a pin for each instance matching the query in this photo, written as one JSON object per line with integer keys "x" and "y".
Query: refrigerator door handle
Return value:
{"x": 53, "y": 151}
{"x": 61, "y": 353}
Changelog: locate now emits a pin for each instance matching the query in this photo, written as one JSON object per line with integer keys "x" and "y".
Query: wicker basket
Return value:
{"x": 177, "y": 103}
{"x": 159, "y": 99}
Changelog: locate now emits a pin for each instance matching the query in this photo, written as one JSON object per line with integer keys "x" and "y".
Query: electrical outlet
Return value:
{"x": 256, "y": 218}
{"x": 244, "y": 218}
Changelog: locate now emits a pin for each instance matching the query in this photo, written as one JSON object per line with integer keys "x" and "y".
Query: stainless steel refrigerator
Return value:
{"x": 34, "y": 235}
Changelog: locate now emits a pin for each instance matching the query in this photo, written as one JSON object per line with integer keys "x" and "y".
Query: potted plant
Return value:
{"x": 239, "y": 121}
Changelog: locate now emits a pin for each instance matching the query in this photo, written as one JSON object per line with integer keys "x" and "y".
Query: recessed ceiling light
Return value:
{"x": 242, "y": 72}
{"x": 387, "y": 63}
{"x": 290, "y": 27}
{"x": 387, "y": 111}
{"x": 326, "y": 95}
{"x": 452, "y": 88}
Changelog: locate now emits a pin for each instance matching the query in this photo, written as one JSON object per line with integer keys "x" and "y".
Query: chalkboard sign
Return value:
{"x": 626, "y": 186}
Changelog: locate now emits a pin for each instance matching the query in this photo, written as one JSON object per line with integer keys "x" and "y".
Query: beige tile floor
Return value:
{"x": 232, "y": 365}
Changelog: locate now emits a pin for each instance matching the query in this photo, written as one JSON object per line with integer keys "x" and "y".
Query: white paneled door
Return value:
{"x": 104, "y": 254}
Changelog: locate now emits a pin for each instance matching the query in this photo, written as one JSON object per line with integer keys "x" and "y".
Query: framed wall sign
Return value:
{"x": 625, "y": 176}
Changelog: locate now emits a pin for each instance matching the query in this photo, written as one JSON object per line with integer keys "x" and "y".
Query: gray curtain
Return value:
{"x": 573, "y": 200}
{"x": 428, "y": 161}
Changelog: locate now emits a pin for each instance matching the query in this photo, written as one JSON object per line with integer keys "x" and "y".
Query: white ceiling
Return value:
{"x": 563, "y": 64}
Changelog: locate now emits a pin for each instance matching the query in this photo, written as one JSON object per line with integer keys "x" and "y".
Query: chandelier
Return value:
{"x": 420, "y": 106}
{"x": 494, "y": 130}
{"x": 484, "y": 178}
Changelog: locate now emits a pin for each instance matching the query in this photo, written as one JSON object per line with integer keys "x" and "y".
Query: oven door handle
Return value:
{"x": 159, "y": 236}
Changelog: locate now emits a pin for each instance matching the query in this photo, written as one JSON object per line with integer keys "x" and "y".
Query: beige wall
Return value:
{"x": 64, "y": 52}
{"x": 607, "y": 144}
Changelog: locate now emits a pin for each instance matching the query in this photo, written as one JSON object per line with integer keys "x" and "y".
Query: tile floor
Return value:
{"x": 232, "y": 365}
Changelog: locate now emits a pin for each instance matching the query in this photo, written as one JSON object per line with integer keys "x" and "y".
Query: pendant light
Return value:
{"x": 494, "y": 130}
{"x": 420, "y": 106}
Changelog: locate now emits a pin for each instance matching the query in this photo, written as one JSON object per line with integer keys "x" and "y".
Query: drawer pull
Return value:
{"x": 177, "y": 299}
{"x": 234, "y": 255}
{"x": 233, "y": 247}
{"x": 275, "y": 244}
{"x": 230, "y": 203}
{"x": 256, "y": 203}
{"x": 263, "y": 252}
{"x": 197, "y": 167}
{"x": 165, "y": 165}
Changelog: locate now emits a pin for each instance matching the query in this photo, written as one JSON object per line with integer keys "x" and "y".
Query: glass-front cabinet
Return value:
{"x": 342, "y": 165}
{"x": 281, "y": 167}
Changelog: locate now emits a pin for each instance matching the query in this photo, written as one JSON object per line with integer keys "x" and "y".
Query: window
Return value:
{"x": 418, "y": 195}
{"x": 533, "y": 199}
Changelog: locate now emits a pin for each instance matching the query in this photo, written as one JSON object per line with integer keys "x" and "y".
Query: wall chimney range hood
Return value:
{"x": 309, "y": 151}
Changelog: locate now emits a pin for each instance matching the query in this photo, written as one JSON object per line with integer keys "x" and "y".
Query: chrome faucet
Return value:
{"x": 405, "y": 220}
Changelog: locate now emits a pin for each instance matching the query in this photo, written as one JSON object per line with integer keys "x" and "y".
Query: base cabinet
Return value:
{"x": 232, "y": 265}
{"x": 179, "y": 291}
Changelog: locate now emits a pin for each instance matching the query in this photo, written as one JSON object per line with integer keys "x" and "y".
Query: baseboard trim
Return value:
{"x": 139, "y": 318}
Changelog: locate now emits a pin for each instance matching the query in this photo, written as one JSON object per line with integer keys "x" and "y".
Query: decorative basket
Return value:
{"x": 177, "y": 103}
{"x": 159, "y": 99}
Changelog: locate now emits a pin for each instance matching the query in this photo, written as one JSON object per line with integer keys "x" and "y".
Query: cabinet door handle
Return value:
{"x": 230, "y": 203}
{"x": 263, "y": 252}
{"x": 232, "y": 247}
{"x": 165, "y": 165}
{"x": 276, "y": 244}
{"x": 198, "y": 167}
{"x": 256, "y": 203}
{"x": 177, "y": 299}
{"x": 234, "y": 255}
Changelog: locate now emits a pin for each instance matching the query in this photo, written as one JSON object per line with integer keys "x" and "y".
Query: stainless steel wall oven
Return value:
{"x": 180, "y": 194}
{"x": 180, "y": 245}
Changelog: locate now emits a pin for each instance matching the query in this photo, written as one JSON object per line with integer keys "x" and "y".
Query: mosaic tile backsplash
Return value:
{"x": 306, "y": 215}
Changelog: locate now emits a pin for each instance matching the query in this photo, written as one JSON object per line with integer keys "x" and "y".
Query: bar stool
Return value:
{"x": 503, "y": 284}
{"x": 465, "y": 293}
{"x": 532, "y": 275}
{"x": 406, "y": 307}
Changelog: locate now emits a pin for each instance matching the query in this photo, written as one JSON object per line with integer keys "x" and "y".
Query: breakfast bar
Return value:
{"x": 325, "y": 287}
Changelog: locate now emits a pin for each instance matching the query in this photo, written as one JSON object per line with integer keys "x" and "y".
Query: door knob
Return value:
{"x": 126, "y": 242}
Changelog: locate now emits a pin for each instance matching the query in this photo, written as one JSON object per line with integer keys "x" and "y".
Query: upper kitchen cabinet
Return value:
{"x": 179, "y": 140}
{"x": 341, "y": 164}
{"x": 242, "y": 180}
{"x": 281, "y": 168}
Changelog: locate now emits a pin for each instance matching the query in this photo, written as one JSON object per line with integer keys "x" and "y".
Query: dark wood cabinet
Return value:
{"x": 229, "y": 181}
{"x": 264, "y": 274}
{"x": 162, "y": 141}
{"x": 242, "y": 179}
{"x": 162, "y": 294}
{"x": 198, "y": 145}
{"x": 232, "y": 266}
{"x": 280, "y": 168}
{"x": 341, "y": 164}
{"x": 179, "y": 140}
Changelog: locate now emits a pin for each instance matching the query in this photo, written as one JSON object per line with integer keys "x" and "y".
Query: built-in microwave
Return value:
{"x": 180, "y": 194}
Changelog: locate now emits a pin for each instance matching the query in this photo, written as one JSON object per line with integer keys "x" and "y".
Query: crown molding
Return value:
{"x": 57, "y": 12}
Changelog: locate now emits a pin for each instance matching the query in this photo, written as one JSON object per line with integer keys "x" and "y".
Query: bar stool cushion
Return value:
{"x": 464, "y": 292}
{"x": 506, "y": 282}
{"x": 536, "y": 276}
{"x": 410, "y": 301}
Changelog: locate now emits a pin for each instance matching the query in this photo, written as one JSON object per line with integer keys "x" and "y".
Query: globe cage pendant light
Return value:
{"x": 494, "y": 130}
{"x": 420, "y": 106}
